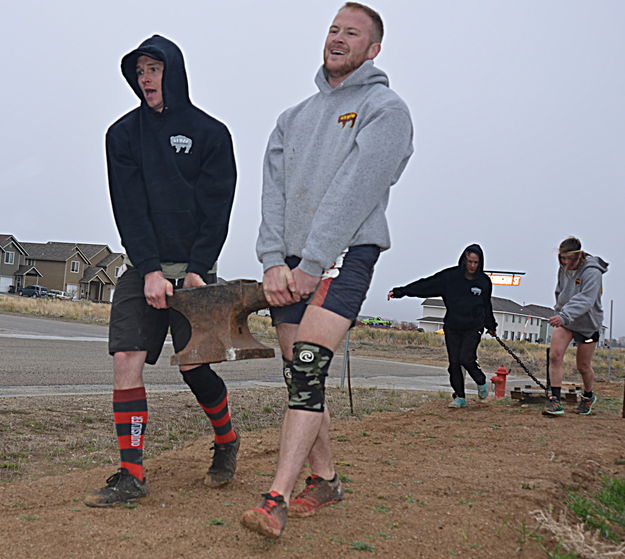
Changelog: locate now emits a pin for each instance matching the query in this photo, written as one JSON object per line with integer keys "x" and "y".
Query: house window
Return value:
{"x": 505, "y": 334}
{"x": 9, "y": 257}
{"x": 75, "y": 266}
{"x": 30, "y": 262}
{"x": 118, "y": 271}
{"x": 512, "y": 318}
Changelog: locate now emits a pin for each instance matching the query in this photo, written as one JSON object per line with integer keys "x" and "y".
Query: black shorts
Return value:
{"x": 136, "y": 326}
{"x": 343, "y": 294}
{"x": 581, "y": 339}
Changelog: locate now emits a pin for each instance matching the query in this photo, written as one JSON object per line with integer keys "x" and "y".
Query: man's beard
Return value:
{"x": 347, "y": 68}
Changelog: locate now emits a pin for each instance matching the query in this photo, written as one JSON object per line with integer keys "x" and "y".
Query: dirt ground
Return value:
{"x": 422, "y": 482}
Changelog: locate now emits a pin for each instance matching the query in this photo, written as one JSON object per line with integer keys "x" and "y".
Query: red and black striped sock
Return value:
{"x": 212, "y": 395}
{"x": 130, "y": 408}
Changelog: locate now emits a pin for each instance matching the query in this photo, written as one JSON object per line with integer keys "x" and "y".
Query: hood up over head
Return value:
{"x": 175, "y": 84}
{"x": 477, "y": 249}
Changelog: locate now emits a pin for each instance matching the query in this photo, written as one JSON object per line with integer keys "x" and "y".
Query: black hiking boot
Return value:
{"x": 120, "y": 488}
{"x": 224, "y": 464}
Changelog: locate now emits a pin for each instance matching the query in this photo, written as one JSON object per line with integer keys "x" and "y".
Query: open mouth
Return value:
{"x": 338, "y": 52}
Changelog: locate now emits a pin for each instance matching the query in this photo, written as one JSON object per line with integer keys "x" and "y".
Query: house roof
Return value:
{"x": 93, "y": 272}
{"x": 90, "y": 250}
{"x": 6, "y": 239}
{"x": 110, "y": 258}
{"x": 436, "y": 319}
{"x": 28, "y": 270}
{"x": 502, "y": 305}
{"x": 539, "y": 310}
{"x": 57, "y": 252}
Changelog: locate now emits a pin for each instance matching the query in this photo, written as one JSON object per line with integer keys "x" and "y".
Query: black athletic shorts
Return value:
{"x": 581, "y": 339}
{"x": 136, "y": 326}
{"x": 342, "y": 293}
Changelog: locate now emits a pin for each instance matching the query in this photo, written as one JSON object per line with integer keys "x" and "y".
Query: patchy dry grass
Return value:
{"x": 81, "y": 311}
{"x": 53, "y": 435}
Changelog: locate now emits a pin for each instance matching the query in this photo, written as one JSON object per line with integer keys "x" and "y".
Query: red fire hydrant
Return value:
{"x": 499, "y": 380}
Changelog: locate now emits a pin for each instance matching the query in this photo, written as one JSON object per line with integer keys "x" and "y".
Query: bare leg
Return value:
{"x": 128, "y": 369}
{"x": 584, "y": 364}
{"x": 301, "y": 429}
{"x": 560, "y": 340}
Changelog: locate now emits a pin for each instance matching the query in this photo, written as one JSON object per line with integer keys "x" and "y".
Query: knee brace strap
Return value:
{"x": 310, "y": 369}
{"x": 287, "y": 372}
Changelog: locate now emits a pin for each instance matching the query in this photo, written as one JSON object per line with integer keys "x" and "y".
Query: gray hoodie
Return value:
{"x": 578, "y": 296}
{"x": 328, "y": 168}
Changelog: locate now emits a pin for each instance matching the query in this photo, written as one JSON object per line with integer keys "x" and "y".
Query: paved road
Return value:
{"x": 39, "y": 356}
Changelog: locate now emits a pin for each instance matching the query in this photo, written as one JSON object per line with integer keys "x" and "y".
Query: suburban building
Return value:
{"x": 514, "y": 321}
{"x": 14, "y": 271}
{"x": 87, "y": 271}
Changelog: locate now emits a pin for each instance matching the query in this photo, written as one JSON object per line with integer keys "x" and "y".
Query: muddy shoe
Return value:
{"x": 553, "y": 407}
{"x": 224, "y": 464}
{"x": 269, "y": 519}
{"x": 120, "y": 488}
{"x": 586, "y": 404}
{"x": 318, "y": 493}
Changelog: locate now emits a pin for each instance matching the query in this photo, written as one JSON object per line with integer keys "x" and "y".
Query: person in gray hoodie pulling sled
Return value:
{"x": 578, "y": 317}
{"x": 329, "y": 166}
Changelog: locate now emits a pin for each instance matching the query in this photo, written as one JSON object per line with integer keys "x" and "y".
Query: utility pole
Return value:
{"x": 610, "y": 342}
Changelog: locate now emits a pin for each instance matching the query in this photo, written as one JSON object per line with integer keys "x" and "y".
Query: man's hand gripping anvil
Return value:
{"x": 218, "y": 317}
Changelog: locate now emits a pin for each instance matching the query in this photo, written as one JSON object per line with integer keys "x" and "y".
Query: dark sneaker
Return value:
{"x": 224, "y": 464}
{"x": 120, "y": 488}
{"x": 553, "y": 407}
{"x": 585, "y": 405}
{"x": 269, "y": 519}
{"x": 318, "y": 493}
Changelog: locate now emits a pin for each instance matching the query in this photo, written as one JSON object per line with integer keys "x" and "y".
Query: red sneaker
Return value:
{"x": 318, "y": 493}
{"x": 269, "y": 519}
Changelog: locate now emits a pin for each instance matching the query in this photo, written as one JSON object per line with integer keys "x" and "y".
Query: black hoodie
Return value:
{"x": 467, "y": 301}
{"x": 171, "y": 174}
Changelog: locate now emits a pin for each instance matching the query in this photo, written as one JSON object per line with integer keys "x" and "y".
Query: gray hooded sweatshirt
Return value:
{"x": 578, "y": 296}
{"x": 328, "y": 168}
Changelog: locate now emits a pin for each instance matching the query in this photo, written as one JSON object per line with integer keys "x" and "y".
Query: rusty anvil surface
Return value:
{"x": 218, "y": 317}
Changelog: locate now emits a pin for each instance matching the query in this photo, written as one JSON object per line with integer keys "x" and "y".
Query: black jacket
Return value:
{"x": 467, "y": 301}
{"x": 171, "y": 174}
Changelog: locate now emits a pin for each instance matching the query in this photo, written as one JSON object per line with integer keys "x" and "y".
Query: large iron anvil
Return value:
{"x": 218, "y": 317}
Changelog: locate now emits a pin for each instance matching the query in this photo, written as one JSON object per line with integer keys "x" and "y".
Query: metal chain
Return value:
{"x": 520, "y": 363}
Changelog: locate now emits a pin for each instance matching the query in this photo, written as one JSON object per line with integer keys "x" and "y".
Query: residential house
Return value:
{"x": 514, "y": 321}
{"x": 87, "y": 271}
{"x": 15, "y": 271}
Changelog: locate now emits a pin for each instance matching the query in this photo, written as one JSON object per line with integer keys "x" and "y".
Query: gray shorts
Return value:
{"x": 136, "y": 326}
{"x": 343, "y": 294}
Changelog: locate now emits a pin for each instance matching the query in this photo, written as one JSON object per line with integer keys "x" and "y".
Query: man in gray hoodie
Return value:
{"x": 579, "y": 317}
{"x": 329, "y": 165}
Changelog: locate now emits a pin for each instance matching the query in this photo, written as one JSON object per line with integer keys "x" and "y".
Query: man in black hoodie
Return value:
{"x": 172, "y": 176}
{"x": 466, "y": 292}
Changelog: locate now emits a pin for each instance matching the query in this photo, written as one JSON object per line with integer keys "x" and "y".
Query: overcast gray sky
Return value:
{"x": 518, "y": 106}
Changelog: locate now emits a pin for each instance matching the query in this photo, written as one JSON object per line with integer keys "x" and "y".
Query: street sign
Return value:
{"x": 512, "y": 279}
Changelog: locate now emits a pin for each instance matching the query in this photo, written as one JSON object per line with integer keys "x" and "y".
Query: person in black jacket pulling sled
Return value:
{"x": 466, "y": 291}
{"x": 172, "y": 177}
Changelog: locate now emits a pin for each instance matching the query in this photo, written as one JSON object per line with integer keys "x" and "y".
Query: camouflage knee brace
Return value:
{"x": 310, "y": 369}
